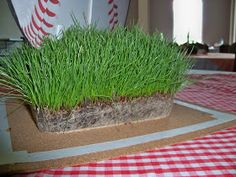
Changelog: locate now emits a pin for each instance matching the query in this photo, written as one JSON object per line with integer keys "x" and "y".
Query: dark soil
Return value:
{"x": 97, "y": 115}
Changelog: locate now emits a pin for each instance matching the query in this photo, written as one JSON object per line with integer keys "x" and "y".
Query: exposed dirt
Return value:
{"x": 103, "y": 114}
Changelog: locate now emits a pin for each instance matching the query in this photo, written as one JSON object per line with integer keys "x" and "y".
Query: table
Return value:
{"x": 215, "y": 61}
{"x": 211, "y": 155}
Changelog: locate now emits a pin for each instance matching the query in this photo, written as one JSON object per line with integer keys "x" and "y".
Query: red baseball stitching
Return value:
{"x": 26, "y": 34}
{"x": 52, "y": 1}
{"x": 113, "y": 14}
{"x": 35, "y": 39}
{"x": 38, "y": 27}
{"x": 40, "y": 40}
{"x": 32, "y": 29}
{"x": 30, "y": 33}
{"x": 49, "y": 25}
{"x": 43, "y": 9}
{"x": 28, "y": 37}
{"x": 39, "y": 37}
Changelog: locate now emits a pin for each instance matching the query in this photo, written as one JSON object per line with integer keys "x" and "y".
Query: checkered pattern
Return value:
{"x": 215, "y": 91}
{"x": 213, "y": 155}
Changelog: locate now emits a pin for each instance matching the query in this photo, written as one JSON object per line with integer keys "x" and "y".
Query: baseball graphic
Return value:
{"x": 39, "y": 18}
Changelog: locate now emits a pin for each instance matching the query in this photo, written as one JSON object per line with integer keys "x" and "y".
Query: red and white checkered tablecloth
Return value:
{"x": 210, "y": 156}
{"x": 214, "y": 91}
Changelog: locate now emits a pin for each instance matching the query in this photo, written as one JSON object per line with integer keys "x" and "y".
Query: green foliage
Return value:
{"x": 87, "y": 64}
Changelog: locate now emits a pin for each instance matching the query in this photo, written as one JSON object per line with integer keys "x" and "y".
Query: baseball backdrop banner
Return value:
{"x": 39, "y": 18}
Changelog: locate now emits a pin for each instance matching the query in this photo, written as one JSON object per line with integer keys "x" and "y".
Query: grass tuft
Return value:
{"x": 88, "y": 64}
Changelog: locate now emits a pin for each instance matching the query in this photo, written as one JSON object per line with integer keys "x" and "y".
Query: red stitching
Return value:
{"x": 43, "y": 9}
{"x": 110, "y": 11}
{"x": 30, "y": 32}
{"x": 28, "y": 37}
{"x": 38, "y": 42}
{"x": 54, "y": 1}
{"x": 39, "y": 37}
{"x": 31, "y": 35}
{"x": 37, "y": 14}
{"x": 34, "y": 39}
{"x": 26, "y": 33}
{"x": 111, "y": 20}
{"x": 113, "y": 14}
{"x": 37, "y": 27}
{"x": 115, "y": 6}
{"x": 49, "y": 25}
{"x": 32, "y": 29}
{"x": 110, "y": 1}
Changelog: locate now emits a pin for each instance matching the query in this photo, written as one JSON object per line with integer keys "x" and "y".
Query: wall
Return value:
{"x": 161, "y": 17}
{"x": 8, "y": 26}
{"x": 216, "y": 20}
{"x": 132, "y": 17}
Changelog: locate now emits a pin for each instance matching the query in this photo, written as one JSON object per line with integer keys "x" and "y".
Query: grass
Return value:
{"x": 89, "y": 64}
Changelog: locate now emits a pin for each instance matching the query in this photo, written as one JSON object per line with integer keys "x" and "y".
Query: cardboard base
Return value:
{"x": 26, "y": 137}
{"x": 30, "y": 139}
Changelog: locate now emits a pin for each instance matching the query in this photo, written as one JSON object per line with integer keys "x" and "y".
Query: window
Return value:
{"x": 187, "y": 21}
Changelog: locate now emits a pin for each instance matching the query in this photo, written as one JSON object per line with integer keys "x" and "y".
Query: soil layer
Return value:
{"x": 103, "y": 114}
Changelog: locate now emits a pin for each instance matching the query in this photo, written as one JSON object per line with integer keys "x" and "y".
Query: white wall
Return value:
{"x": 8, "y": 26}
{"x": 216, "y": 19}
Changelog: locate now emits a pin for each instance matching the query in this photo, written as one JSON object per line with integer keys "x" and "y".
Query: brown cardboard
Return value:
{"x": 26, "y": 137}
